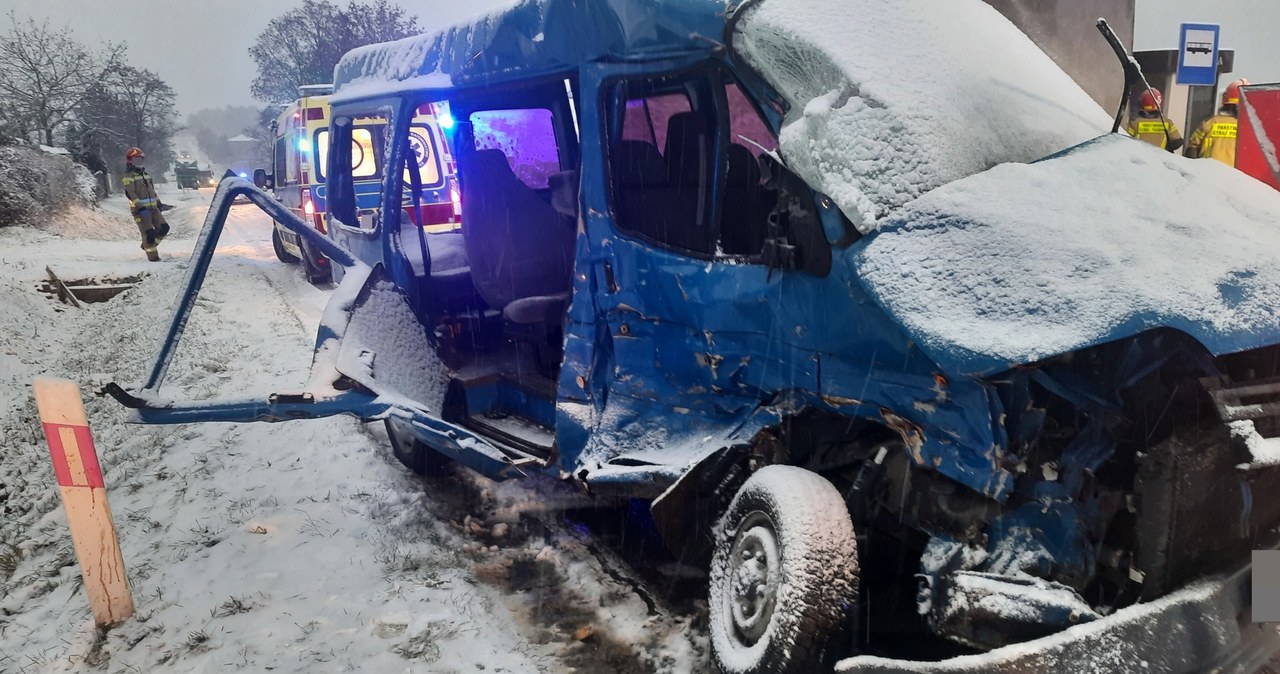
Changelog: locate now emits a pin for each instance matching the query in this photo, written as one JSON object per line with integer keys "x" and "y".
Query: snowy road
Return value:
{"x": 292, "y": 547}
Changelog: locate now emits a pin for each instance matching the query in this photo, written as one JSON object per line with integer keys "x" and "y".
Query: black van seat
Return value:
{"x": 449, "y": 289}
{"x": 539, "y": 322}
{"x": 544, "y": 309}
{"x": 641, "y": 194}
{"x": 517, "y": 244}
{"x": 519, "y": 247}
{"x": 689, "y": 157}
{"x": 744, "y": 224}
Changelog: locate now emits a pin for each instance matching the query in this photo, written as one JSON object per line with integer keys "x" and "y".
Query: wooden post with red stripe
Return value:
{"x": 84, "y": 495}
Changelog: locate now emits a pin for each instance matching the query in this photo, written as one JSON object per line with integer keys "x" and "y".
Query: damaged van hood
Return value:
{"x": 1101, "y": 242}
{"x": 890, "y": 99}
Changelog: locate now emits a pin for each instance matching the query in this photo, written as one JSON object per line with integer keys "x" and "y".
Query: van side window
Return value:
{"x": 661, "y": 164}
{"x": 747, "y": 203}
{"x": 526, "y": 137}
{"x": 684, "y": 164}
{"x": 281, "y": 167}
{"x": 353, "y": 161}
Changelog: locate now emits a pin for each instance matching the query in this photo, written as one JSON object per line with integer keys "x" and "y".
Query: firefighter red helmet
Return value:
{"x": 133, "y": 153}
{"x": 1150, "y": 100}
{"x": 1232, "y": 95}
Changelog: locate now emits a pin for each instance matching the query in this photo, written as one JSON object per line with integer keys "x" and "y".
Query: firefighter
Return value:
{"x": 1216, "y": 137}
{"x": 144, "y": 203}
{"x": 1151, "y": 125}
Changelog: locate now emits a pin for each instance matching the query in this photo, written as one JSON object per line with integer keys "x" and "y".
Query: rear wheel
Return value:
{"x": 415, "y": 455}
{"x": 278, "y": 245}
{"x": 317, "y": 274}
{"x": 784, "y": 575}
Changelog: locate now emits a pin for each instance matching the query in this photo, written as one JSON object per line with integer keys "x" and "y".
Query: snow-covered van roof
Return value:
{"x": 528, "y": 39}
{"x": 1107, "y": 240}
{"x": 890, "y": 98}
{"x": 893, "y": 98}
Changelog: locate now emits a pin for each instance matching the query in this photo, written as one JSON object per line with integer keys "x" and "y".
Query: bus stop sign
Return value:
{"x": 1198, "y": 54}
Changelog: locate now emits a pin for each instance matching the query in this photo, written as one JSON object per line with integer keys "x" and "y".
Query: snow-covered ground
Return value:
{"x": 291, "y": 547}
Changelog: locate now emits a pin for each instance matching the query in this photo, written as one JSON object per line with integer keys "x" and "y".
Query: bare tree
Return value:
{"x": 304, "y": 45}
{"x": 45, "y": 74}
{"x": 131, "y": 107}
{"x": 375, "y": 21}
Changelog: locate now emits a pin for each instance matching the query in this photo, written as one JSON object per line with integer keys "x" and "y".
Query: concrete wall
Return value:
{"x": 1065, "y": 30}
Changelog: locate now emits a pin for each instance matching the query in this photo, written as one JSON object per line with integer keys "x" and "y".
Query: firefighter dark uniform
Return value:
{"x": 144, "y": 204}
{"x": 1216, "y": 136}
{"x": 1151, "y": 126}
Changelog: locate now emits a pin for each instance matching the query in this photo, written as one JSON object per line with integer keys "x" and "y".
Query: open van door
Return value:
{"x": 372, "y": 359}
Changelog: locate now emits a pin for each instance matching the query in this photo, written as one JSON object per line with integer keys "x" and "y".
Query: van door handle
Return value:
{"x": 608, "y": 277}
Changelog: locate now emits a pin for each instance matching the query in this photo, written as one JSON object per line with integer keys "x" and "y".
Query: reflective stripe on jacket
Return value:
{"x": 1151, "y": 130}
{"x": 1215, "y": 139}
{"x": 139, "y": 189}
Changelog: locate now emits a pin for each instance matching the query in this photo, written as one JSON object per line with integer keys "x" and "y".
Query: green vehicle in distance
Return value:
{"x": 188, "y": 175}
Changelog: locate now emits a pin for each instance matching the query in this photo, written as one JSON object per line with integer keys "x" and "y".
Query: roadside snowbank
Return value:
{"x": 35, "y": 185}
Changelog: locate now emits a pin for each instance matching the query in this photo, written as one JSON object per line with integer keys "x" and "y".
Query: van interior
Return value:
{"x": 497, "y": 292}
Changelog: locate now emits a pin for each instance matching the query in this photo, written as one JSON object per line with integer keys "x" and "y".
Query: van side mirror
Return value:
{"x": 796, "y": 239}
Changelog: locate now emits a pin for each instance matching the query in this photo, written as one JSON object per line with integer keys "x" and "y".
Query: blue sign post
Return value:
{"x": 1198, "y": 54}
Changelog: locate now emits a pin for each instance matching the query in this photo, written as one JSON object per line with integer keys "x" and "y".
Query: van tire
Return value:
{"x": 315, "y": 275}
{"x": 278, "y": 245}
{"x": 784, "y": 575}
{"x": 415, "y": 455}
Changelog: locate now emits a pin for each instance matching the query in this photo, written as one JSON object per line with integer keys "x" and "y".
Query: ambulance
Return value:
{"x": 301, "y": 146}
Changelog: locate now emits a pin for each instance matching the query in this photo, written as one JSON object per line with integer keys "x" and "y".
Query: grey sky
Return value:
{"x": 200, "y": 47}
{"x": 1248, "y": 26}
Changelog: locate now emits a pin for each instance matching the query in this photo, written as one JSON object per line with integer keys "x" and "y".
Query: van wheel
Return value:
{"x": 316, "y": 275}
{"x": 281, "y": 254}
{"x": 415, "y": 455}
{"x": 784, "y": 575}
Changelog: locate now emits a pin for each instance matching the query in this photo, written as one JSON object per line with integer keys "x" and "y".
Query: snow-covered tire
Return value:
{"x": 415, "y": 456}
{"x": 316, "y": 276}
{"x": 784, "y": 574}
{"x": 277, "y": 245}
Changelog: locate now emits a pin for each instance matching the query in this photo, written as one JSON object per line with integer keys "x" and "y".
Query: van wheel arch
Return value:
{"x": 687, "y": 511}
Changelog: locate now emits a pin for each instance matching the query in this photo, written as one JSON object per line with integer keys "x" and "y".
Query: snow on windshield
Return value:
{"x": 1028, "y": 261}
{"x": 893, "y": 98}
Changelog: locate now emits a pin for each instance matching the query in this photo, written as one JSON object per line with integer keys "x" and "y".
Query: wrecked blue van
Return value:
{"x": 891, "y": 339}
